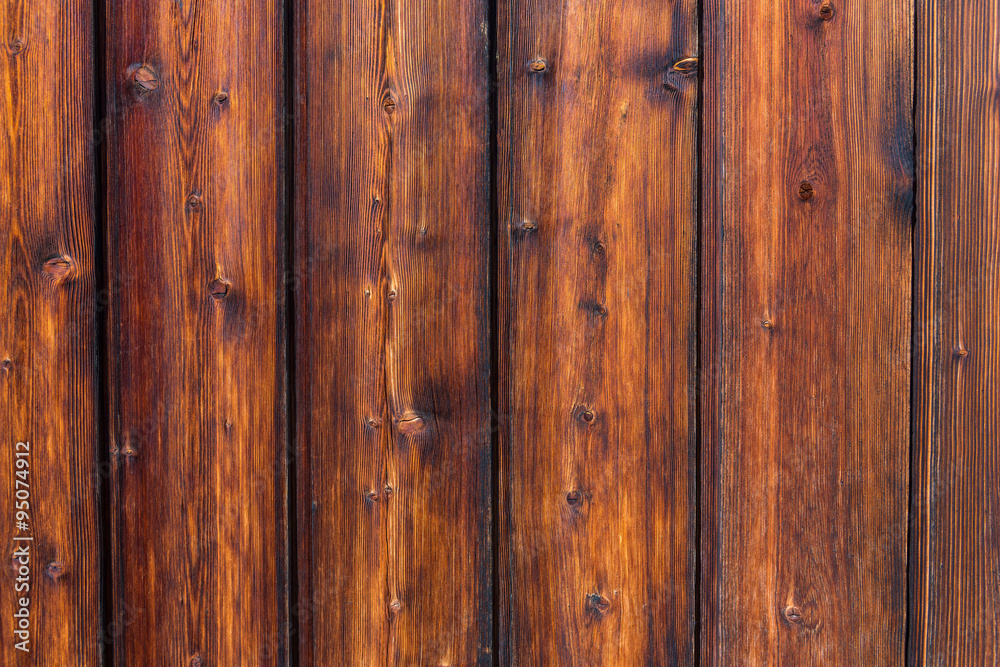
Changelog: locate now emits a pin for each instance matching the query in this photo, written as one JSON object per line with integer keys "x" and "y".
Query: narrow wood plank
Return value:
{"x": 392, "y": 331}
{"x": 48, "y": 378}
{"x": 808, "y": 200}
{"x": 955, "y": 547}
{"x": 597, "y": 299}
{"x": 195, "y": 246}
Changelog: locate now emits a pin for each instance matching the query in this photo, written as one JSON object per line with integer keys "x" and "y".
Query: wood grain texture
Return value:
{"x": 597, "y": 186}
{"x": 48, "y": 379}
{"x": 392, "y": 331}
{"x": 197, "y": 375}
{"x": 955, "y": 547}
{"x": 808, "y": 193}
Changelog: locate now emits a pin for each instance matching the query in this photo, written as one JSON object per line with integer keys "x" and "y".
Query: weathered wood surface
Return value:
{"x": 392, "y": 332}
{"x": 48, "y": 378}
{"x": 197, "y": 332}
{"x": 807, "y": 182}
{"x": 955, "y": 546}
{"x": 597, "y": 199}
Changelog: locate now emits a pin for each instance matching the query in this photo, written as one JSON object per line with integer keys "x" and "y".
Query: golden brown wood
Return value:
{"x": 955, "y": 547}
{"x": 48, "y": 380}
{"x": 392, "y": 331}
{"x": 195, "y": 246}
{"x": 597, "y": 301}
{"x": 808, "y": 205}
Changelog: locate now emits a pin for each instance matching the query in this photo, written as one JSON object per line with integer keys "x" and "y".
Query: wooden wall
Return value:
{"x": 517, "y": 332}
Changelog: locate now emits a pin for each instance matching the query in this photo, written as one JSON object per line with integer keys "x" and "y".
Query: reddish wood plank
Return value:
{"x": 195, "y": 246}
{"x": 597, "y": 298}
{"x": 807, "y": 265}
{"x": 955, "y": 546}
{"x": 392, "y": 331}
{"x": 48, "y": 379}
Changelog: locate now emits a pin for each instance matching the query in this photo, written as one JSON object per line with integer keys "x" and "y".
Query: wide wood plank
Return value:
{"x": 808, "y": 192}
{"x": 392, "y": 332}
{"x": 197, "y": 374}
{"x": 955, "y": 547}
{"x": 597, "y": 331}
{"x": 48, "y": 378}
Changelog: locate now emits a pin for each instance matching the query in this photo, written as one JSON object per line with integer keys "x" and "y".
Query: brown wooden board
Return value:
{"x": 955, "y": 546}
{"x": 196, "y": 333}
{"x": 808, "y": 192}
{"x": 48, "y": 378}
{"x": 392, "y": 332}
{"x": 597, "y": 304}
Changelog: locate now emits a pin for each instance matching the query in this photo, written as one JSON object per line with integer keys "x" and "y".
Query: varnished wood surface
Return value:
{"x": 561, "y": 388}
{"x": 955, "y": 547}
{"x": 197, "y": 331}
{"x": 48, "y": 379}
{"x": 597, "y": 345}
{"x": 392, "y": 330}
{"x": 807, "y": 182}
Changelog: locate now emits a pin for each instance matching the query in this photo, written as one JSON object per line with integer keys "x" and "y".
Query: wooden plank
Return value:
{"x": 597, "y": 331}
{"x": 808, "y": 206}
{"x": 195, "y": 246}
{"x": 48, "y": 379}
{"x": 955, "y": 548}
{"x": 392, "y": 332}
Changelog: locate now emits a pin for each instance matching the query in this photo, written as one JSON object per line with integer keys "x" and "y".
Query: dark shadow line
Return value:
{"x": 290, "y": 453}
{"x": 496, "y": 422}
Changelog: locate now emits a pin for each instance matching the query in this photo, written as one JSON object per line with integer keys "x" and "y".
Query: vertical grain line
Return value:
{"x": 915, "y": 267}
{"x": 493, "y": 296}
{"x": 291, "y": 460}
{"x": 101, "y": 128}
{"x": 697, "y": 338}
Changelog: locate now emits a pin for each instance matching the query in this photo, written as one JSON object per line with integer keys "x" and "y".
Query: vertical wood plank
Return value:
{"x": 48, "y": 378}
{"x": 597, "y": 305}
{"x": 808, "y": 213}
{"x": 955, "y": 546}
{"x": 195, "y": 246}
{"x": 392, "y": 332}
